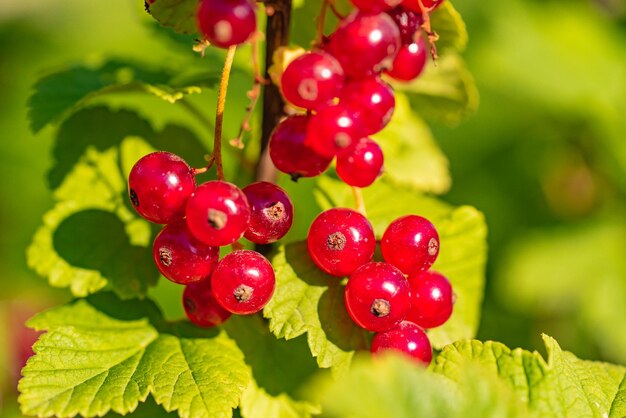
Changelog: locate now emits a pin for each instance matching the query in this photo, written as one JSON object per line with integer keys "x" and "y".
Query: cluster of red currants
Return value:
{"x": 199, "y": 220}
{"x": 339, "y": 84}
{"x": 397, "y": 298}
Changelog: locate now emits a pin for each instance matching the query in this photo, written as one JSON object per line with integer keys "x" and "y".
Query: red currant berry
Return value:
{"x": 410, "y": 61}
{"x": 312, "y": 79}
{"x": 226, "y": 22}
{"x": 406, "y": 337}
{"x": 373, "y": 99}
{"x": 408, "y": 22}
{"x": 431, "y": 299}
{"x": 159, "y": 185}
{"x": 180, "y": 257}
{"x": 377, "y": 296}
{"x": 243, "y": 282}
{"x": 340, "y": 241}
{"x": 290, "y": 153}
{"x": 271, "y": 212}
{"x": 410, "y": 243}
{"x": 364, "y": 43}
{"x": 360, "y": 165}
{"x": 201, "y": 306}
{"x": 421, "y": 6}
{"x": 218, "y": 213}
{"x": 332, "y": 129}
{"x": 375, "y": 6}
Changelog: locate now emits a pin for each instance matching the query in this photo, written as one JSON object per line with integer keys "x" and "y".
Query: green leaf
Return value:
{"x": 412, "y": 157}
{"x": 462, "y": 232}
{"x": 561, "y": 386}
{"x": 309, "y": 301}
{"x": 445, "y": 92}
{"x": 394, "y": 386}
{"x": 449, "y": 25}
{"x": 179, "y": 15}
{"x": 90, "y": 238}
{"x": 257, "y": 403}
{"x": 67, "y": 90}
{"x": 107, "y": 128}
{"x": 278, "y": 367}
{"x": 101, "y": 354}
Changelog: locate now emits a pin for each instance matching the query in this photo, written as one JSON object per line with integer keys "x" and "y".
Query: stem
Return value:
{"x": 359, "y": 202}
{"x": 321, "y": 19}
{"x": 219, "y": 113}
{"x": 276, "y": 35}
{"x": 210, "y": 160}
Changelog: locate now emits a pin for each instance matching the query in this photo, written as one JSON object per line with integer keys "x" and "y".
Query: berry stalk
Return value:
{"x": 219, "y": 113}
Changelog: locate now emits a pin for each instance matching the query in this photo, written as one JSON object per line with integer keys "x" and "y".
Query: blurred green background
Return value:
{"x": 544, "y": 158}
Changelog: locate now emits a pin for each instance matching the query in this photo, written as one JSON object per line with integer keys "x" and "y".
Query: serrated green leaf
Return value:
{"x": 279, "y": 367}
{"x": 257, "y": 403}
{"x": 445, "y": 92}
{"x": 562, "y": 386}
{"x": 102, "y": 128}
{"x": 394, "y": 386}
{"x": 449, "y": 25}
{"x": 309, "y": 301}
{"x": 412, "y": 157}
{"x": 67, "y": 90}
{"x": 102, "y": 354}
{"x": 90, "y": 238}
{"x": 462, "y": 232}
{"x": 179, "y": 15}
{"x": 147, "y": 409}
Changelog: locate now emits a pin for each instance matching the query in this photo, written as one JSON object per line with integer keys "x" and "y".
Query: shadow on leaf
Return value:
{"x": 96, "y": 240}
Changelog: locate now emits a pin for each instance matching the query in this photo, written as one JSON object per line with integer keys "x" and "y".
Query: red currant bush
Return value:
{"x": 375, "y": 6}
{"x": 181, "y": 257}
{"x": 410, "y": 243}
{"x": 373, "y": 99}
{"x": 291, "y": 154}
{"x": 364, "y": 43}
{"x": 408, "y": 22}
{"x": 218, "y": 213}
{"x": 226, "y": 22}
{"x": 377, "y": 296}
{"x": 432, "y": 299}
{"x": 421, "y": 6}
{"x": 410, "y": 61}
{"x": 271, "y": 212}
{"x": 361, "y": 164}
{"x": 201, "y": 306}
{"x": 312, "y": 79}
{"x": 407, "y": 338}
{"x": 243, "y": 282}
{"x": 159, "y": 185}
{"x": 334, "y": 128}
{"x": 340, "y": 241}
